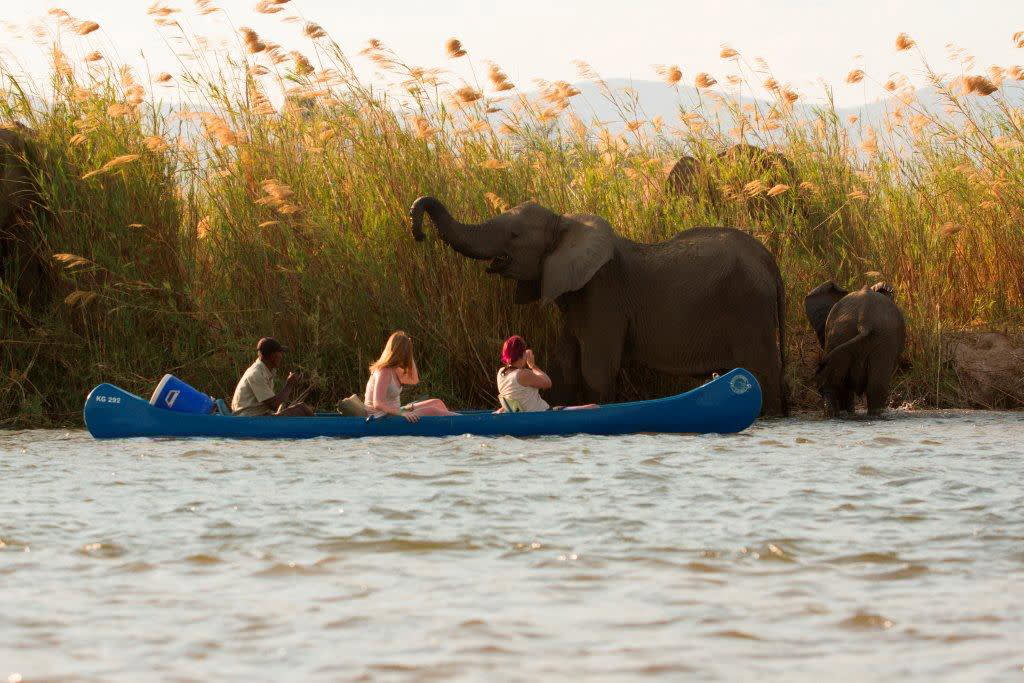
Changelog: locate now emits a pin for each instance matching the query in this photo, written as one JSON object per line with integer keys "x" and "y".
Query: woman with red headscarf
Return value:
{"x": 520, "y": 380}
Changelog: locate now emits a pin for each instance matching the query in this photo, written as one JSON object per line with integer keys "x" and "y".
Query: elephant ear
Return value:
{"x": 817, "y": 305}
{"x": 585, "y": 243}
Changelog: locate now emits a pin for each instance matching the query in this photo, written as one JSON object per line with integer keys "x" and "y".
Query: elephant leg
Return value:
{"x": 601, "y": 359}
{"x": 830, "y": 402}
{"x": 764, "y": 362}
{"x": 566, "y": 383}
{"x": 877, "y": 393}
{"x": 845, "y": 400}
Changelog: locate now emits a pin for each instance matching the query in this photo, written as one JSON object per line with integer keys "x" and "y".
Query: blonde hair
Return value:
{"x": 397, "y": 353}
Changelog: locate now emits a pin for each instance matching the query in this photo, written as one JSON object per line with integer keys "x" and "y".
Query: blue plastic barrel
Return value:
{"x": 173, "y": 394}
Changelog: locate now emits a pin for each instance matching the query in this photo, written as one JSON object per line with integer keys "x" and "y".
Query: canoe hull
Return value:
{"x": 727, "y": 404}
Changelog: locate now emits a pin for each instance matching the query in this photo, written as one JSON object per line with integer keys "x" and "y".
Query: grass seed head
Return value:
{"x": 728, "y": 53}
{"x": 453, "y": 46}
{"x": 704, "y": 80}
{"x": 314, "y": 31}
{"x": 301, "y": 63}
{"x": 672, "y": 74}
{"x": 904, "y": 42}
{"x": 978, "y": 85}
{"x": 159, "y": 10}
{"x": 84, "y": 28}
{"x": 855, "y": 76}
{"x": 467, "y": 94}
{"x": 252, "y": 40}
{"x": 268, "y": 7}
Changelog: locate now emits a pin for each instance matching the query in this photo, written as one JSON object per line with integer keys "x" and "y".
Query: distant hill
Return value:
{"x": 654, "y": 98}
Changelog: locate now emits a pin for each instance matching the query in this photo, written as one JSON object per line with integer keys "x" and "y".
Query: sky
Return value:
{"x": 805, "y": 42}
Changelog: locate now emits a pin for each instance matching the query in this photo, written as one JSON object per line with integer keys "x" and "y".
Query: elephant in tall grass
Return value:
{"x": 690, "y": 176}
{"x": 24, "y": 265}
{"x": 707, "y": 300}
{"x": 862, "y": 335}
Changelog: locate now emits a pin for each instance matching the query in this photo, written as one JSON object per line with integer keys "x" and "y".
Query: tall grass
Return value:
{"x": 262, "y": 190}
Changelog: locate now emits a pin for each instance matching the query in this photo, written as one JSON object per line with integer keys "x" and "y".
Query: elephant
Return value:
{"x": 705, "y": 301}
{"x": 774, "y": 166}
{"x": 25, "y": 265}
{"x": 862, "y": 335}
{"x": 740, "y": 163}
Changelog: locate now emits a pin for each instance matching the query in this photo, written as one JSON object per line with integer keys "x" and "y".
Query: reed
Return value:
{"x": 264, "y": 190}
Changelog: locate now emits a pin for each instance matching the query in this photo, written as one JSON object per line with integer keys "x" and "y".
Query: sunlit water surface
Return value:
{"x": 798, "y": 550}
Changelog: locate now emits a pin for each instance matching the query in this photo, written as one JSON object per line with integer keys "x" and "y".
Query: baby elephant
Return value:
{"x": 862, "y": 335}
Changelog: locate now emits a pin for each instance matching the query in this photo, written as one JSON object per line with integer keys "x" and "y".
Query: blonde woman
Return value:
{"x": 396, "y": 368}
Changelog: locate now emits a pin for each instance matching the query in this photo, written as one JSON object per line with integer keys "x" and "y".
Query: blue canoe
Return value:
{"x": 729, "y": 403}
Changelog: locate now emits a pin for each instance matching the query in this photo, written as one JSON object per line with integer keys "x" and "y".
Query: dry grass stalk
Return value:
{"x": 495, "y": 165}
{"x": 111, "y": 165}
{"x": 117, "y": 109}
{"x": 314, "y": 31}
{"x": 949, "y": 229}
{"x": 704, "y": 80}
{"x": 496, "y": 203}
{"x": 422, "y": 128}
{"x": 777, "y": 190}
{"x": 71, "y": 261}
{"x": 499, "y": 81}
{"x": 301, "y": 64}
{"x": 160, "y": 10}
{"x": 268, "y": 7}
{"x": 205, "y": 7}
{"x": 467, "y": 95}
{"x": 155, "y": 143}
{"x": 453, "y": 46}
{"x": 252, "y": 40}
{"x": 671, "y": 74}
{"x": 80, "y": 298}
{"x": 978, "y": 85}
{"x": 904, "y": 42}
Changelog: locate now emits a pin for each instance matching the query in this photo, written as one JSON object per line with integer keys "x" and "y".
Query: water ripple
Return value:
{"x": 798, "y": 550}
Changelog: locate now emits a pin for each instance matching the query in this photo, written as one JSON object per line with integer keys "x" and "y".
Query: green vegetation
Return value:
{"x": 275, "y": 203}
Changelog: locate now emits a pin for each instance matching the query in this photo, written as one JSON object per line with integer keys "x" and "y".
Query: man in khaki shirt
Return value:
{"x": 255, "y": 393}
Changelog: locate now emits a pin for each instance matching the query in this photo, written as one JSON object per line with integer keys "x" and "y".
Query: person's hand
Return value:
{"x": 411, "y": 417}
{"x": 529, "y": 358}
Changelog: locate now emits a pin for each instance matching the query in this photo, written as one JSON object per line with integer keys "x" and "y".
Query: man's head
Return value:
{"x": 271, "y": 352}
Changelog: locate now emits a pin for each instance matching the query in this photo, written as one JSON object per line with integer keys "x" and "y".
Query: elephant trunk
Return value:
{"x": 482, "y": 241}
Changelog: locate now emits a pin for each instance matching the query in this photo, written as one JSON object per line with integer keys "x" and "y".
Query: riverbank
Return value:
{"x": 168, "y": 238}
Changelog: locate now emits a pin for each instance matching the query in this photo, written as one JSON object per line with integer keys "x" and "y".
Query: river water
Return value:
{"x": 797, "y": 550}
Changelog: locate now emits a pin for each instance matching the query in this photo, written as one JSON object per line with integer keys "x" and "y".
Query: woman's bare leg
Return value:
{"x": 431, "y": 406}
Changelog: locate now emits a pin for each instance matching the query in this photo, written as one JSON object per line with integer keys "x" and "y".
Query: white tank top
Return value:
{"x": 521, "y": 399}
